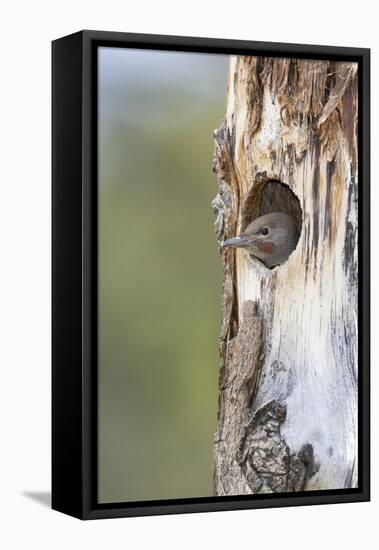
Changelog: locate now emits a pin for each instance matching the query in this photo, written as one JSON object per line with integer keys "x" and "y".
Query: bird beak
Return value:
{"x": 237, "y": 241}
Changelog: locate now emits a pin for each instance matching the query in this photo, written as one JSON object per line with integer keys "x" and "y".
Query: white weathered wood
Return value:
{"x": 289, "y": 121}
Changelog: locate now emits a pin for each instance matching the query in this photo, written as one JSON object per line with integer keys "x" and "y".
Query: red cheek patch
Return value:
{"x": 266, "y": 247}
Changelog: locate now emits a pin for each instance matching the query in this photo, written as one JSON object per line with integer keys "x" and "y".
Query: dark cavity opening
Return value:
{"x": 271, "y": 196}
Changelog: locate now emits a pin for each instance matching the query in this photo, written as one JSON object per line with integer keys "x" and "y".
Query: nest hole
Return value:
{"x": 271, "y": 196}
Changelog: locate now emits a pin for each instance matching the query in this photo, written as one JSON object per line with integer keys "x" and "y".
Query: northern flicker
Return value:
{"x": 270, "y": 238}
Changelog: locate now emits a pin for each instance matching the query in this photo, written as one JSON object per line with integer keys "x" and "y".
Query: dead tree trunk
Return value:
{"x": 287, "y": 418}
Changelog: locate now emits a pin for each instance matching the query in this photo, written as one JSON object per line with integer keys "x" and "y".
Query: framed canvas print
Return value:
{"x": 210, "y": 275}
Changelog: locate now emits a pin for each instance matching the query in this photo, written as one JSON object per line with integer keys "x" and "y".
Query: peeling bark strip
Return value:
{"x": 287, "y": 416}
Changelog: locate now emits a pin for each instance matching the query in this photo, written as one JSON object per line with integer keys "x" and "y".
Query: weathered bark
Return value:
{"x": 287, "y": 417}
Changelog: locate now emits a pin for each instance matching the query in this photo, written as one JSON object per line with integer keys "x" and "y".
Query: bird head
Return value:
{"x": 270, "y": 238}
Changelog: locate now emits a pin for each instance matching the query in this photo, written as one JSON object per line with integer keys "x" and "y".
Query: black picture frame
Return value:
{"x": 74, "y": 273}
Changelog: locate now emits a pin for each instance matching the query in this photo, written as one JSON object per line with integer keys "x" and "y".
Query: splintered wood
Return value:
{"x": 287, "y": 417}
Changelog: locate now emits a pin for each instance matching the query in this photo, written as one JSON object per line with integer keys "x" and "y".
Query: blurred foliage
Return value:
{"x": 159, "y": 273}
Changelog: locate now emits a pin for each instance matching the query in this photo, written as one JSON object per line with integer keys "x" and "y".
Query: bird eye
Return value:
{"x": 264, "y": 231}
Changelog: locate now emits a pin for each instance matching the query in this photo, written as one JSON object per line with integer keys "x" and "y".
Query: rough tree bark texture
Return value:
{"x": 287, "y": 418}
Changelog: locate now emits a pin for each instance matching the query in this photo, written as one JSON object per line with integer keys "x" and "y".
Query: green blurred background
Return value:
{"x": 159, "y": 273}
